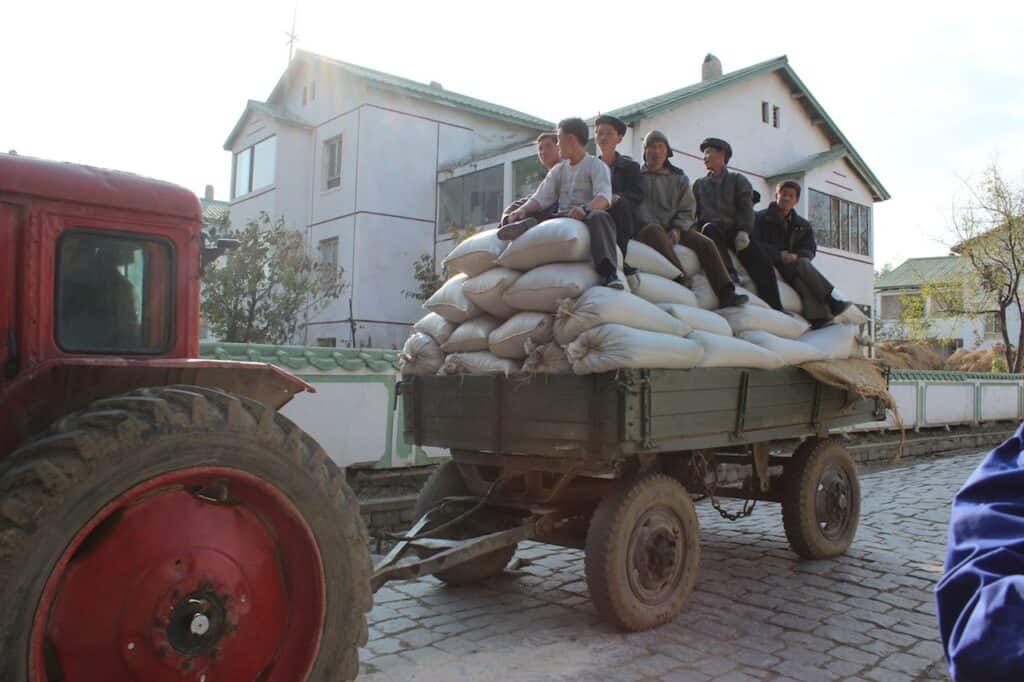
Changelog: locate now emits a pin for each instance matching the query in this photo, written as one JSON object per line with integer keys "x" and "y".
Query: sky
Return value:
{"x": 928, "y": 93}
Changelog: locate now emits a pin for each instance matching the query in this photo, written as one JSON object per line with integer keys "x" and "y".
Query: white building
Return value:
{"x": 376, "y": 169}
{"x": 911, "y": 280}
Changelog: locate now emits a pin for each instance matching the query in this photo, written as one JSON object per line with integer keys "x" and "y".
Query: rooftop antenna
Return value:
{"x": 292, "y": 36}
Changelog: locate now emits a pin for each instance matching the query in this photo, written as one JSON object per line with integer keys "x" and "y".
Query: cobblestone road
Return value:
{"x": 757, "y": 611}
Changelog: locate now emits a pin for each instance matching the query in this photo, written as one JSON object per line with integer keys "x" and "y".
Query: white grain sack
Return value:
{"x": 751, "y": 318}
{"x": 614, "y": 346}
{"x": 482, "y": 362}
{"x": 420, "y": 355}
{"x": 542, "y": 288}
{"x": 726, "y": 351}
{"x": 471, "y": 335}
{"x": 450, "y": 301}
{"x": 836, "y": 341}
{"x": 435, "y": 326}
{"x": 657, "y": 289}
{"x": 487, "y": 288}
{"x": 646, "y": 259}
{"x": 791, "y": 351}
{"x": 707, "y": 299}
{"x": 553, "y": 241}
{"x": 688, "y": 259}
{"x": 475, "y": 254}
{"x": 698, "y": 318}
{"x": 788, "y": 296}
{"x": 509, "y": 340}
{"x": 601, "y": 305}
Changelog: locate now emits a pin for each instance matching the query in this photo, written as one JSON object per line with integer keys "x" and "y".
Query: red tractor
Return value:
{"x": 159, "y": 518}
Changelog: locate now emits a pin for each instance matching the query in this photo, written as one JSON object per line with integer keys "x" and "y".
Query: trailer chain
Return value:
{"x": 699, "y": 464}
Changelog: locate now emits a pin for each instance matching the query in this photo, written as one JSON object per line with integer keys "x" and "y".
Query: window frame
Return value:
{"x": 251, "y": 149}
{"x": 170, "y": 301}
{"x": 855, "y": 236}
{"x": 337, "y": 140}
{"x": 765, "y": 112}
{"x": 465, "y": 200}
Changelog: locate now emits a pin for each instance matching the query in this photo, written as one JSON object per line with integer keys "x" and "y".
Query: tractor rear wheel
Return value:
{"x": 179, "y": 533}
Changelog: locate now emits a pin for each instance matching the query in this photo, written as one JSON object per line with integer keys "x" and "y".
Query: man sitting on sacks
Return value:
{"x": 786, "y": 240}
{"x": 547, "y": 154}
{"x": 582, "y": 186}
{"x": 627, "y": 182}
{"x": 725, "y": 212}
{"x": 666, "y": 217}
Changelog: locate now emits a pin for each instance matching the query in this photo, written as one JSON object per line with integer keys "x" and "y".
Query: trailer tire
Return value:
{"x": 642, "y": 554}
{"x": 447, "y": 481}
{"x": 152, "y": 508}
{"x": 820, "y": 499}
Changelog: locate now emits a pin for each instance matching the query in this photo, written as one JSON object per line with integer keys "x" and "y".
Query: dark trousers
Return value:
{"x": 602, "y": 241}
{"x": 656, "y": 237}
{"x": 622, "y": 212}
{"x": 755, "y": 259}
{"x": 813, "y": 287}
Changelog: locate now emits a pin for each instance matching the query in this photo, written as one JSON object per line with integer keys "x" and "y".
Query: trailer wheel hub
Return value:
{"x": 656, "y": 555}
{"x": 832, "y": 502}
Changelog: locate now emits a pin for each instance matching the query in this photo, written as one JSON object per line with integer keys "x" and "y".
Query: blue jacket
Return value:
{"x": 980, "y": 598}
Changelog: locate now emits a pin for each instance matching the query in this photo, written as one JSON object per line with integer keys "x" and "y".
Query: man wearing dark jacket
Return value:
{"x": 725, "y": 213}
{"x": 627, "y": 185}
{"x": 666, "y": 218}
{"x": 783, "y": 238}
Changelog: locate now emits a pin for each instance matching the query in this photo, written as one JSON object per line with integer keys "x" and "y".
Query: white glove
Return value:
{"x": 742, "y": 241}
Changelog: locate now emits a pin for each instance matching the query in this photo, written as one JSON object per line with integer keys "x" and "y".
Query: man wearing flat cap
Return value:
{"x": 627, "y": 186}
{"x": 725, "y": 212}
{"x": 666, "y": 218}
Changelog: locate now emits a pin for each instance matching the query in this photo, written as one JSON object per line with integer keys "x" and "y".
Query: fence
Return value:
{"x": 355, "y": 417}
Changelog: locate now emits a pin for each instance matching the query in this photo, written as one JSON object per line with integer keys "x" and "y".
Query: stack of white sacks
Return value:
{"x": 534, "y": 305}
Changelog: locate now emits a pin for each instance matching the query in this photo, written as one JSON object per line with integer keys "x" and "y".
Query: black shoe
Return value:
{"x": 514, "y": 230}
{"x": 818, "y": 324}
{"x": 836, "y": 307}
{"x": 612, "y": 281}
{"x": 732, "y": 300}
{"x": 628, "y": 270}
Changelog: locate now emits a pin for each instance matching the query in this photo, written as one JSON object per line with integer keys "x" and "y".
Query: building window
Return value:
{"x": 254, "y": 167}
{"x": 332, "y": 163}
{"x": 527, "y": 175}
{"x": 840, "y": 224}
{"x": 764, "y": 112}
{"x": 327, "y": 252}
{"x": 892, "y": 306}
{"x": 114, "y": 293}
{"x": 308, "y": 93}
{"x": 776, "y": 117}
{"x": 327, "y": 341}
{"x": 992, "y": 324}
{"x": 471, "y": 200}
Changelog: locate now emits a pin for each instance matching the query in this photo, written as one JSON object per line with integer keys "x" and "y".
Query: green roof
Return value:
{"x": 808, "y": 164}
{"x": 430, "y": 92}
{"x": 915, "y": 272}
{"x": 943, "y": 375}
{"x": 304, "y": 358}
{"x": 215, "y": 212}
{"x": 275, "y": 113}
{"x": 670, "y": 100}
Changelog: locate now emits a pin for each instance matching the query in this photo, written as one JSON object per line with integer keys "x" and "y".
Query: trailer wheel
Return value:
{"x": 446, "y": 481}
{"x": 643, "y": 552}
{"x": 820, "y": 499}
{"x": 179, "y": 533}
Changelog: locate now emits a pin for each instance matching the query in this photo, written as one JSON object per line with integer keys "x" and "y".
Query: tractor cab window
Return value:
{"x": 113, "y": 293}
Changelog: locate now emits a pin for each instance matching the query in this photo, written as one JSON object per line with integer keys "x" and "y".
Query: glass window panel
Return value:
{"x": 113, "y": 294}
{"x": 527, "y": 175}
{"x": 865, "y": 230}
{"x": 844, "y": 226}
{"x": 263, "y": 163}
{"x": 243, "y": 165}
{"x": 820, "y": 216}
{"x": 481, "y": 196}
{"x": 833, "y": 232}
{"x": 451, "y": 204}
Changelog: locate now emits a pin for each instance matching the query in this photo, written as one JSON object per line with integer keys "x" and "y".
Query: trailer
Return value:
{"x": 609, "y": 463}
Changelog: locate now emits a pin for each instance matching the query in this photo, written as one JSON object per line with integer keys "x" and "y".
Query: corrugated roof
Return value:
{"x": 304, "y": 358}
{"x": 669, "y": 100}
{"x": 428, "y": 92}
{"x": 215, "y": 212}
{"x": 914, "y": 272}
